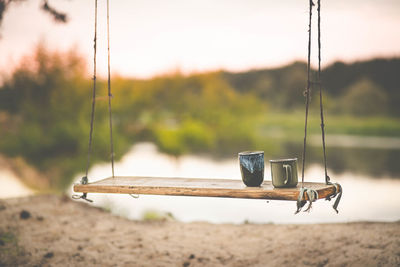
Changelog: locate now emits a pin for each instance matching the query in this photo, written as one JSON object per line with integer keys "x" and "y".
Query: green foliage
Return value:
{"x": 45, "y": 112}
{"x": 282, "y": 88}
{"x": 384, "y": 73}
{"x": 190, "y": 136}
{"x": 365, "y": 98}
{"x": 7, "y": 237}
{"x": 11, "y": 253}
{"x": 290, "y": 126}
{"x": 47, "y": 102}
{"x": 153, "y": 215}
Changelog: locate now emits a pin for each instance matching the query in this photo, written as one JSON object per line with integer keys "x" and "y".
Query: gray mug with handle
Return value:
{"x": 284, "y": 172}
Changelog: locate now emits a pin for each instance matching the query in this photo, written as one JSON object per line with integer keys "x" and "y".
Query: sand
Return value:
{"x": 56, "y": 231}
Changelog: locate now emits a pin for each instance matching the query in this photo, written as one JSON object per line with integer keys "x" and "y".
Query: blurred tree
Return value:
{"x": 45, "y": 111}
{"x": 57, "y": 15}
{"x": 48, "y": 98}
{"x": 364, "y": 98}
{"x": 384, "y": 72}
{"x": 281, "y": 87}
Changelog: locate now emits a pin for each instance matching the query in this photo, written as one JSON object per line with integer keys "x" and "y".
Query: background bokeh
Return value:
{"x": 202, "y": 78}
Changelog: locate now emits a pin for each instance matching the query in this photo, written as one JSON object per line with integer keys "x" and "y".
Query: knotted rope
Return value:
{"x": 312, "y": 194}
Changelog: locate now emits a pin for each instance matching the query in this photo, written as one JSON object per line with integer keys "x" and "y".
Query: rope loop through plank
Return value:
{"x": 307, "y": 92}
{"x": 84, "y": 179}
{"x": 338, "y": 188}
{"x": 94, "y": 92}
{"x": 319, "y": 83}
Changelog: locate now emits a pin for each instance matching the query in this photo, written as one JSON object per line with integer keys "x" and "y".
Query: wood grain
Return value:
{"x": 198, "y": 187}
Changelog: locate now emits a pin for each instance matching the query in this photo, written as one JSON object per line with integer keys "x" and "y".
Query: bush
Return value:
{"x": 365, "y": 98}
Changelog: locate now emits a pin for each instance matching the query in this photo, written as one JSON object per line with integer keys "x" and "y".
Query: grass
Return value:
{"x": 10, "y": 251}
{"x": 290, "y": 126}
{"x": 153, "y": 215}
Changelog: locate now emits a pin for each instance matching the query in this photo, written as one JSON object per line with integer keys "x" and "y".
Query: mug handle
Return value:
{"x": 288, "y": 170}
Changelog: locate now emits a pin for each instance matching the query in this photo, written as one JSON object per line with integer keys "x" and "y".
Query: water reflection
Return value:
{"x": 375, "y": 157}
{"x": 364, "y": 198}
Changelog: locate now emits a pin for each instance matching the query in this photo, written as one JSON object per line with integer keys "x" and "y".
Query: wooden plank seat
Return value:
{"x": 198, "y": 187}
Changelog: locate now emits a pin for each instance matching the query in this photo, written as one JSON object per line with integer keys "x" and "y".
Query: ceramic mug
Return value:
{"x": 284, "y": 172}
{"x": 252, "y": 167}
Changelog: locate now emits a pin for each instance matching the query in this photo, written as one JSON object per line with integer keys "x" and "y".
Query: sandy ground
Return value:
{"x": 56, "y": 231}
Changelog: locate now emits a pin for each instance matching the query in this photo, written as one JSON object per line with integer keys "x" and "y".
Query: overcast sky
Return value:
{"x": 150, "y": 37}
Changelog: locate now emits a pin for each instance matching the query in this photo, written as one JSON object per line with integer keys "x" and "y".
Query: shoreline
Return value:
{"x": 51, "y": 230}
{"x": 12, "y": 187}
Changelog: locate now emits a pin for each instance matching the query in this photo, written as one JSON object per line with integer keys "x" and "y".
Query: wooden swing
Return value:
{"x": 228, "y": 188}
{"x": 198, "y": 187}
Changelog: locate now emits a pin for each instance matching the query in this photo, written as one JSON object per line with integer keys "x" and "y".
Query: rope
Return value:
{"x": 327, "y": 179}
{"x": 312, "y": 194}
{"x": 84, "y": 179}
{"x": 307, "y": 93}
{"x": 301, "y": 201}
{"x": 94, "y": 91}
{"x": 109, "y": 89}
{"x": 338, "y": 187}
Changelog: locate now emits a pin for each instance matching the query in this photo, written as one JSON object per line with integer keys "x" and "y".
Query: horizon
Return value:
{"x": 191, "y": 37}
{"x": 177, "y": 71}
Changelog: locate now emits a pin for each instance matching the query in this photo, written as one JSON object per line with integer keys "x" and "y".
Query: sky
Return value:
{"x": 153, "y": 37}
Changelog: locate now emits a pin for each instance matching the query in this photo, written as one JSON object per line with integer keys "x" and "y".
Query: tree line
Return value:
{"x": 45, "y": 109}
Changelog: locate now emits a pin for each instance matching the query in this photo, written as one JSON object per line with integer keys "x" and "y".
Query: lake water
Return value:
{"x": 365, "y": 198}
{"x": 10, "y": 185}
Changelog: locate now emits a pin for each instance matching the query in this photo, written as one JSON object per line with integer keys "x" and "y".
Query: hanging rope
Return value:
{"x": 109, "y": 89}
{"x": 321, "y": 108}
{"x": 312, "y": 194}
{"x": 338, "y": 187}
{"x": 94, "y": 91}
{"x": 85, "y": 179}
{"x": 307, "y": 92}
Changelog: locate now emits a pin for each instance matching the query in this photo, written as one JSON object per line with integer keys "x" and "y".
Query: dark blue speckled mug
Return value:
{"x": 252, "y": 167}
